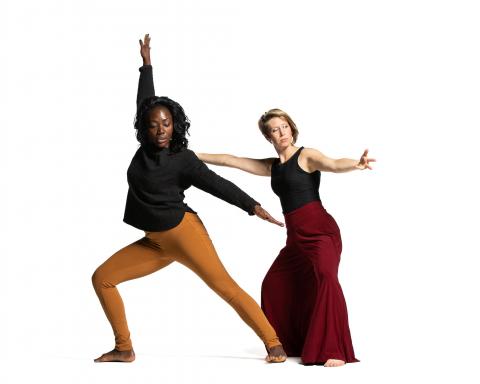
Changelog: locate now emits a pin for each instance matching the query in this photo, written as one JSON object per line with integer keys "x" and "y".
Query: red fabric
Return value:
{"x": 301, "y": 295}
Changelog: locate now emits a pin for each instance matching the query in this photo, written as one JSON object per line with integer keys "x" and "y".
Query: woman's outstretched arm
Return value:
{"x": 205, "y": 179}
{"x": 260, "y": 167}
{"x": 145, "y": 83}
{"x": 317, "y": 161}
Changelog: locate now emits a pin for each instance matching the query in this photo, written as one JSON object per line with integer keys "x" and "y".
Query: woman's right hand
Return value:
{"x": 145, "y": 49}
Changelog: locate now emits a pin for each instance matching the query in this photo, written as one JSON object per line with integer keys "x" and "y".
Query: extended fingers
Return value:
{"x": 272, "y": 220}
{"x": 369, "y": 161}
{"x": 145, "y": 42}
{"x": 263, "y": 214}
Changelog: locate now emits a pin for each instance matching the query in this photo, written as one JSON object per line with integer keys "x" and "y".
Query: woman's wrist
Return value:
{"x": 347, "y": 165}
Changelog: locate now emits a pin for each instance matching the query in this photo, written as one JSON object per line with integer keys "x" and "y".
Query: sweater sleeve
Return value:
{"x": 202, "y": 177}
{"x": 145, "y": 84}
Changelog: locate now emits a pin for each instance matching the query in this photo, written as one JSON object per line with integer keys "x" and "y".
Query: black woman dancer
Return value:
{"x": 160, "y": 171}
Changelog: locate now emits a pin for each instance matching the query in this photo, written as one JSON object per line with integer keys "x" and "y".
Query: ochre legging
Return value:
{"x": 189, "y": 244}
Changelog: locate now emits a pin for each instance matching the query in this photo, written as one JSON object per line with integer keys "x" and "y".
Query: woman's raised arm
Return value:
{"x": 145, "y": 83}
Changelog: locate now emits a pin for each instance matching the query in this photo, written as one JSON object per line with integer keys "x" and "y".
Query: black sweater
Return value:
{"x": 157, "y": 179}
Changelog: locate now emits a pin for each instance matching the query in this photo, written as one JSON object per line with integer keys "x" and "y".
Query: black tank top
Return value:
{"x": 293, "y": 185}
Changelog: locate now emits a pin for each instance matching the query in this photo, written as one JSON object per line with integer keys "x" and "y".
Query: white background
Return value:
{"x": 398, "y": 77}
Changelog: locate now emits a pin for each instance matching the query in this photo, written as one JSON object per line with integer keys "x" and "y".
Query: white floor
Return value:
{"x": 229, "y": 366}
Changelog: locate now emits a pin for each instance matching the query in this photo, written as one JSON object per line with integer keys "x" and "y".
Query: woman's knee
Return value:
{"x": 100, "y": 278}
{"x": 96, "y": 278}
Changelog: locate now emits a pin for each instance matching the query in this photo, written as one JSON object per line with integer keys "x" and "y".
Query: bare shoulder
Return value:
{"x": 311, "y": 160}
{"x": 310, "y": 153}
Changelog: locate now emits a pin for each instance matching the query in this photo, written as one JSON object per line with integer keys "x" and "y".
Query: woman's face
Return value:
{"x": 279, "y": 132}
{"x": 160, "y": 126}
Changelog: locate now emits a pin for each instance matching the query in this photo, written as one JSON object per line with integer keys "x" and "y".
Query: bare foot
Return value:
{"x": 276, "y": 354}
{"x": 334, "y": 363}
{"x": 116, "y": 355}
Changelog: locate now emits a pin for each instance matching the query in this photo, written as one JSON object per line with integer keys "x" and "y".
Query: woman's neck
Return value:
{"x": 285, "y": 153}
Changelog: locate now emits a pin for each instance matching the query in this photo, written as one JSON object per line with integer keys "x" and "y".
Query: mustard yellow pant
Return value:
{"x": 189, "y": 244}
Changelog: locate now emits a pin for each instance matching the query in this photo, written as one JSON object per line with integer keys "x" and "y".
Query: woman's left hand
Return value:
{"x": 364, "y": 161}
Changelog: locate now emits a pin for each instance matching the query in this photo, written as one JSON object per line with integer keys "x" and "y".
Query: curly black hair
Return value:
{"x": 181, "y": 123}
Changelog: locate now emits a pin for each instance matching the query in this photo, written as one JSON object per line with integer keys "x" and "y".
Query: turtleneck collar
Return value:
{"x": 154, "y": 152}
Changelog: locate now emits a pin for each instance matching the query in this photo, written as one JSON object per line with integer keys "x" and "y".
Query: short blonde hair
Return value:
{"x": 267, "y": 116}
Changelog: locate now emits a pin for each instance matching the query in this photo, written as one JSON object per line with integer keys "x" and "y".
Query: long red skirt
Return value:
{"x": 301, "y": 295}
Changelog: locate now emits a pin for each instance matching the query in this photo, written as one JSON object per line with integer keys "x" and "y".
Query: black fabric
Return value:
{"x": 293, "y": 185}
{"x": 157, "y": 179}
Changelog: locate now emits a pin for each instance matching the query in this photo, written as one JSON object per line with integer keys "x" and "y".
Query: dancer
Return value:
{"x": 301, "y": 294}
{"x": 160, "y": 171}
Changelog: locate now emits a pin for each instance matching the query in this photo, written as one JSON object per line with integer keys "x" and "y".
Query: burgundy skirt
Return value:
{"x": 301, "y": 295}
